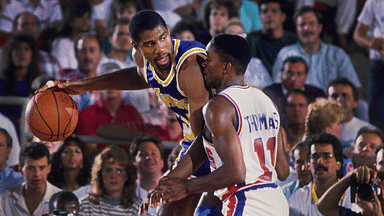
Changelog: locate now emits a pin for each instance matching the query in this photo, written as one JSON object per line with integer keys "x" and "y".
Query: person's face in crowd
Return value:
{"x": 236, "y": 29}
{"x": 22, "y": 55}
{"x": 334, "y": 129}
{"x": 213, "y": 67}
{"x": 156, "y": 46}
{"x": 35, "y": 172}
{"x": 323, "y": 164}
{"x": 126, "y": 12}
{"x": 71, "y": 157}
{"x": 114, "y": 177}
{"x": 81, "y": 24}
{"x": 218, "y": 17}
{"x": 111, "y": 96}
{"x": 293, "y": 75}
{"x": 29, "y": 24}
{"x": 121, "y": 40}
{"x": 380, "y": 161}
{"x": 88, "y": 54}
{"x": 172, "y": 125}
{"x": 297, "y": 108}
{"x": 366, "y": 144}
{"x": 271, "y": 16}
{"x": 301, "y": 165}
{"x": 4, "y": 152}
{"x": 148, "y": 159}
{"x": 308, "y": 29}
{"x": 186, "y": 35}
{"x": 344, "y": 95}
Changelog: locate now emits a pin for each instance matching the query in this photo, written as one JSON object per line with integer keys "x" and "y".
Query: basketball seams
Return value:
{"x": 58, "y": 115}
{"x": 70, "y": 120}
{"x": 42, "y": 118}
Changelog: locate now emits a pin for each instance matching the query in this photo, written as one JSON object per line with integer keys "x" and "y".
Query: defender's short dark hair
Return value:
{"x": 143, "y": 21}
{"x": 8, "y": 138}
{"x": 233, "y": 48}
{"x": 134, "y": 149}
{"x": 35, "y": 151}
{"x": 295, "y": 59}
{"x": 307, "y": 9}
{"x": 345, "y": 81}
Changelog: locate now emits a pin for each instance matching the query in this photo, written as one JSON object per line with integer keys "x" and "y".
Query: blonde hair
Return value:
{"x": 234, "y": 21}
{"x": 321, "y": 115}
{"x": 113, "y": 154}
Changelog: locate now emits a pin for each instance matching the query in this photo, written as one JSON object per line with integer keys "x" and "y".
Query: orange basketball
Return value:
{"x": 51, "y": 115}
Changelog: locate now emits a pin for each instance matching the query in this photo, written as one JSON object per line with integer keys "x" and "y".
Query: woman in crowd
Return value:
{"x": 113, "y": 185}
{"x": 76, "y": 21}
{"x": 71, "y": 167}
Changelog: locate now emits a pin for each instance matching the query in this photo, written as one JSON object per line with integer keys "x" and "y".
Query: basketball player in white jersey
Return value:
{"x": 240, "y": 137}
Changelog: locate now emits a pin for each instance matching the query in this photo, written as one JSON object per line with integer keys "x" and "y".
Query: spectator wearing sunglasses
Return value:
{"x": 325, "y": 161}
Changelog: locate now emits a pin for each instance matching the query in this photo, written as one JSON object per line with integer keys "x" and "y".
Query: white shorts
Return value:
{"x": 263, "y": 201}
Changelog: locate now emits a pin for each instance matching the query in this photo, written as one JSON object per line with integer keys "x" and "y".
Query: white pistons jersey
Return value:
{"x": 258, "y": 126}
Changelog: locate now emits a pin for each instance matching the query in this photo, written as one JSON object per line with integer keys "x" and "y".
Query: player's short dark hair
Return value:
{"x": 134, "y": 149}
{"x": 281, "y": 4}
{"x": 308, "y": 9}
{"x": 8, "y": 138}
{"x": 325, "y": 138}
{"x": 233, "y": 48}
{"x": 35, "y": 151}
{"x": 295, "y": 59}
{"x": 345, "y": 81}
{"x": 143, "y": 21}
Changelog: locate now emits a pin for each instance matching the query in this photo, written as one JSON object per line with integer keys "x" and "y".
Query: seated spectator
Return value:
{"x": 296, "y": 110}
{"x": 64, "y": 203}
{"x": 367, "y": 140}
{"x": 256, "y": 73}
{"x": 344, "y": 19}
{"x": 28, "y": 23}
{"x": 99, "y": 18}
{"x": 298, "y": 155}
{"x": 184, "y": 8}
{"x": 379, "y": 155}
{"x": 186, "y": 29}
{"x": 215, "y": 16}
{"x": 32, "y": 197}
{"x": 325, "y": 163}
{"x": 71, "y": 167}
{"x": 8, "y": 177}
{"x": 148, "y": 156}
{"x": 344, "y": 92}
{"x": 325, "y": 61}
{"x": 294, "y": 73}
{"x": 329, "y": 204}
{"x": 113, "y": 185}
{"x": 173, "y": 127}
{"x": 75, "y": 21}
{"x": 13, "y": 158}
{"x": 88, "y": 56}
{"x": 47, "y": 11}
{"x": 267, "y": 42}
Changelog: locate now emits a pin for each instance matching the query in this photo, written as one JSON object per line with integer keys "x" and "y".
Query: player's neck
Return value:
{"x": 235, "y": 80}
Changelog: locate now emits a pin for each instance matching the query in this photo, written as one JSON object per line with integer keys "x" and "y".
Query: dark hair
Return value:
{"x": 345, "y": 81}
{"x": 56, "y": 176}
{"x": 325, "y": 138}
{"x": 76, "y": 9}
{"x": 233, "y": 48}
{"x": 134, "y": 149}
{"x": 143, "y": 21}
{"x": 8, "y": 137}
{"x": 54, "y": 202}
{"x": 228, "y": 4}
{"x": 86, "y": 35}
{"x": 308, "y": 9}
{"x": 122, "y": 4}
{"x": 9, "y": 74}
{"x": 185, "y": 25}
{"x": 372, "y": 130}
{"x": 295, "y": 59}
{"x": 15, "y": 21}
{"x": 35, "y": 151}
{"x": 378, "y": 148}
{"x": 300, "y": 144}
{"x": 281, "y": 4}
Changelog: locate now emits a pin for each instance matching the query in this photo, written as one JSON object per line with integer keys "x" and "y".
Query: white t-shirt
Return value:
{"x": 63, "y": 49}
{"x": 5, "y": 123}
{"x": 349, "y": 132}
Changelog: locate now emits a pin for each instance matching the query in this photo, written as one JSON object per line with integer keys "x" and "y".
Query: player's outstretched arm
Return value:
{"x": 125, "y": 79}
{"x": 282, "y": 159}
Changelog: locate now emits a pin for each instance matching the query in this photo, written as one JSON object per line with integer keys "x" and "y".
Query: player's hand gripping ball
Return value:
{"x": 51, "y": 115}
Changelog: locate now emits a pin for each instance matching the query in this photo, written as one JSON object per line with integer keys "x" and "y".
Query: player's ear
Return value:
{"x": 227, "y": 67}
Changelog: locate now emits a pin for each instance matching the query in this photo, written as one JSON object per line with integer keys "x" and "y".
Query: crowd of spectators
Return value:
{"x": 330, "y": 129}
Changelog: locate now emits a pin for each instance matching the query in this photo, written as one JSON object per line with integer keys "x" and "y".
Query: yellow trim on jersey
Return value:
{"x": 145, "y": 70}
{"x": 314, "y": 195}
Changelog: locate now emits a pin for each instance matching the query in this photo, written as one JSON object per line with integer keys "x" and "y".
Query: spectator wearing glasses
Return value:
{"x": 113, "y": 185}
{"x": 325, "y": 162}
